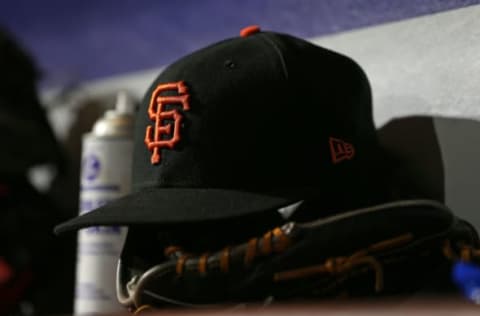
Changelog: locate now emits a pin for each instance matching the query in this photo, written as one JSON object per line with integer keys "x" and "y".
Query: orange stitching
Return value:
{"x": 202, "y": 263}
{"x": 376, "y": 267}
{"x": 278, "y": 232}
{"x": 224, "y": 260}
{"x": 335, "y": 266}
{"x": 170, "y": 250}
{"x": 343, "y": 264}
{"x": 141, "y": 309}
{"x": 157, "y": 113}
{"x": 251, "y": 251}
{"x": 465, "y": 253}
{"x": 448, "y": 251}
{"x": 281, "y": 240}
{"x": 275, "y": 240}
{"x": 181, "y": 264}
{"x": 392, "y": 242}
{"x": 267, "y": 243}
{"x": 468, "y": 253}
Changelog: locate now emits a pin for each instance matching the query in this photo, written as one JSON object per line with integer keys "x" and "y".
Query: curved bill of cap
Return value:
{"x": 176, "y": 205}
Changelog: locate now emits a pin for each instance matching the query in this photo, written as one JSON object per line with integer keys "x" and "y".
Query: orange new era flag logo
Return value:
{"x": 341, "y": 150}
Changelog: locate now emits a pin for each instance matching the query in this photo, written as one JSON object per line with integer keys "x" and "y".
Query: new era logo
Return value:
{"x": 341, "y": 150}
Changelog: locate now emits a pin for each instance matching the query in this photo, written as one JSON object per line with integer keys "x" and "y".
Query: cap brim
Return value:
{"x": 176, "y": 205}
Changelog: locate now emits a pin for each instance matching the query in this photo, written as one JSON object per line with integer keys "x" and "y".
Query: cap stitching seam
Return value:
{"x": 279, "y": 53}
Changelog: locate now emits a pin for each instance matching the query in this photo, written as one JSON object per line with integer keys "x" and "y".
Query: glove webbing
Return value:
{"x": 278, "y": 240}
{"x": 465, "y": 252}
{"x": 339, "y": 265}
{"x": 274, "y": 241}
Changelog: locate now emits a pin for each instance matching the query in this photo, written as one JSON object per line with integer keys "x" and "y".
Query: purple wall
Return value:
{"x": 78, "y": 40}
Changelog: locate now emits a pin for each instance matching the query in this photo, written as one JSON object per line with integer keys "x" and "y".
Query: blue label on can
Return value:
{"x": 90, "y": 167}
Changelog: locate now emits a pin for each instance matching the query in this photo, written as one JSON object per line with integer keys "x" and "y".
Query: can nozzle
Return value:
{"x": 117, "y": 121}
{"x": 124, "y": 104}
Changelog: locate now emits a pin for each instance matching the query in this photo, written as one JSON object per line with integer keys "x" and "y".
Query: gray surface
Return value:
{"x": 425, "y": 65}
{"x": 460, "y": 146}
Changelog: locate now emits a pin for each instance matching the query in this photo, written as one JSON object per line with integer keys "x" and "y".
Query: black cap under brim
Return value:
{"x": 166, "y": 206}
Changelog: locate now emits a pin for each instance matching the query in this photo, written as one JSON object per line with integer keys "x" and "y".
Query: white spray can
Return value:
{"x": 105, "y": 176}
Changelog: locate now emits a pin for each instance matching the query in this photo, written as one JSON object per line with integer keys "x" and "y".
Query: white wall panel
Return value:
{"x": 425, "y": 65}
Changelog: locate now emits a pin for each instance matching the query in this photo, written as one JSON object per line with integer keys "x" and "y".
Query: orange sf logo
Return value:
{"x": 156, "y": 112}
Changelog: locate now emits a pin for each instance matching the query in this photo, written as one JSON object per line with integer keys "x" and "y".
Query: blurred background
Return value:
{"x": 64, "y": 62}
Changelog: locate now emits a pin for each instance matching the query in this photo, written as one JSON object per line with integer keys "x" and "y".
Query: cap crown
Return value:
{"x": 260, "y": 115}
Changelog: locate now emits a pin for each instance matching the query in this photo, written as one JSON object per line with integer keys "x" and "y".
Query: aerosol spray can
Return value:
{"x": 105, "y": 176}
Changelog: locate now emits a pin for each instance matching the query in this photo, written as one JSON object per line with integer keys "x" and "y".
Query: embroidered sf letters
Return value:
{"x": 154, "y": 135}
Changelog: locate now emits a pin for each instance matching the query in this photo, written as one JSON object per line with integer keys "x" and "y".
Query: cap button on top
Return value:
{"x": 249, "y": 30}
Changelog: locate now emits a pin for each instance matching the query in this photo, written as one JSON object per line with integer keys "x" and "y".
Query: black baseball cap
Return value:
{"x": 248, "y": 125}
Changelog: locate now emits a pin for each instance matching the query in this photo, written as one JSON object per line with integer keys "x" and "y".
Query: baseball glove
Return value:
{"x": 387, "y": 249}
